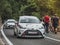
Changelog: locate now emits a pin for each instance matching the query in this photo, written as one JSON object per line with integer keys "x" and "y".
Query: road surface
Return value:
{"x": 23, "y": 41}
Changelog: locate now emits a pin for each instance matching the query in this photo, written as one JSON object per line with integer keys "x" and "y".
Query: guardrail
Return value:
{"x": 7, "y": 40}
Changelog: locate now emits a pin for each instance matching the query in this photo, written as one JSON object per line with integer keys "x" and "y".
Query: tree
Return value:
{"x": 16, "y": 8}
{"x": 6, "y": 10}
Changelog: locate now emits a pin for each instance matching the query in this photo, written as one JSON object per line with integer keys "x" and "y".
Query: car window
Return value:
{"x": 10, "y": 22}
{"x": 29, "y": 20}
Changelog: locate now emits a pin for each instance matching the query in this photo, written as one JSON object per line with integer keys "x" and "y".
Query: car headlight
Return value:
{"x": 41, "y": 28}
{"x": 22, "y": 27}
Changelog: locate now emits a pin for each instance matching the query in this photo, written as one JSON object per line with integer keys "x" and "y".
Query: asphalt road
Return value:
{"x": 23, "y": 41}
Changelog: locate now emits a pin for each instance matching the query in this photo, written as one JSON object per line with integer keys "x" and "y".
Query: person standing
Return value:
{"x": 55, "y": 23}
{"x": 46, "y": 21}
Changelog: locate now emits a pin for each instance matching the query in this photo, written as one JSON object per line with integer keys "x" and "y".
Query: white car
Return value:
{"x": 29, "y": 26}
{"x": 10, "y": 23}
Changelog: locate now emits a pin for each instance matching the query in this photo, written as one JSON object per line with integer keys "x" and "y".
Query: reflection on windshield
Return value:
{"x": 10, "y": 22}
{"x": 29, "y": 20}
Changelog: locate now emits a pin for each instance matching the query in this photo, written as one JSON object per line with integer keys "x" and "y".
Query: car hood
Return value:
{"x": 31, "y": 25}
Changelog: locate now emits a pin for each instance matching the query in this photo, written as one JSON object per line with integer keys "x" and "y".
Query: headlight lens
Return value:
{"x": 41, "y": 28}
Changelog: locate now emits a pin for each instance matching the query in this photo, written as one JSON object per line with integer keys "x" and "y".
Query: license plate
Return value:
{"x": 32, "y": 32}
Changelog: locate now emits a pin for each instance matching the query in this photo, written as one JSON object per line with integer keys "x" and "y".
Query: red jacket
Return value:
{"x": 46, "y": 19}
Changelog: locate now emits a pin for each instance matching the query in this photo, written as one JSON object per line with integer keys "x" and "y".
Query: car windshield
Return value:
{"x": 10, "y": 22}
{"x": 29, "y": 20}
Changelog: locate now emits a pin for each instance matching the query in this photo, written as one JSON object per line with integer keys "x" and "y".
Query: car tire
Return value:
{"x": 17, "y": 36}
{"x": 14, "y": 34}
{"x": 42, "y": 37}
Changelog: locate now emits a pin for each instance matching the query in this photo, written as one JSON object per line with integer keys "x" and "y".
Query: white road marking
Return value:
{"x": 8, "y": 41}
{"x": 52, "y": 38}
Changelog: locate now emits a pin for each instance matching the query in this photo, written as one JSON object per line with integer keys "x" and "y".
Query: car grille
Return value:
{"x": 32, "y": 32}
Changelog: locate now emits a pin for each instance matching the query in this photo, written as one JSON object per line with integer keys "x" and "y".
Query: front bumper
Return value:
{"x": 10, "y": 26}
{"x": 33, "y": 33}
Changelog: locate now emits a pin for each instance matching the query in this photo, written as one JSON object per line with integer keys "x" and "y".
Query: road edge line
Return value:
{"x": 8, "y": 41}
{"x": 52, "y": 38}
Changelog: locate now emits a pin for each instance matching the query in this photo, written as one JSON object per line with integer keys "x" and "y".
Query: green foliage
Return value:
{"x": 16, "y": 8}
{"x": 37, "y": 14}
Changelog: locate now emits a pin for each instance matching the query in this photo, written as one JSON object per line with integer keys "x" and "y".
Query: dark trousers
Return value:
{"x": 46, "y": 27}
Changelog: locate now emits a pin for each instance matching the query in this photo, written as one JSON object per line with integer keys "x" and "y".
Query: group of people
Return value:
{"x": 51, "y": 23}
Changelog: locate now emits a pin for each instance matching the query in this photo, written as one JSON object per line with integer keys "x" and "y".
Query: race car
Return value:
{"x": 10, "y": 23}
{"x": 29, "y": 26}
